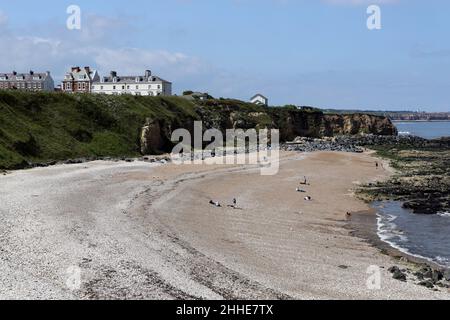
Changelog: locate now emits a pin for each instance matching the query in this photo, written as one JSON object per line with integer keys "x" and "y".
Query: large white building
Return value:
{"x": 144, "y": 85}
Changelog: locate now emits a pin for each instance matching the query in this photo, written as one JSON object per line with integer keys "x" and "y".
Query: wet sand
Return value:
{"x": 142, "y": 231}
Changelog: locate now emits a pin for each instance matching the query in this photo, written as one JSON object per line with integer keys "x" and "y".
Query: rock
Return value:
{"x": 343, "y": 267}
{"x": 427, "y": 273}
{"x": 151, "y": 137}
{"x": 394, "y": 269}
{"x": 437, "y": 276}
{"x": 398, "y": 275}
{"x": 442, "y": 285}
{"x": 447, "y": 275}
{"x": 419, "y": 275}
{"x": 427, "y": 283}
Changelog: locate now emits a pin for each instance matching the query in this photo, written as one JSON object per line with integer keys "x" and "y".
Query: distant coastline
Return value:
{"x": 396, "y": 121}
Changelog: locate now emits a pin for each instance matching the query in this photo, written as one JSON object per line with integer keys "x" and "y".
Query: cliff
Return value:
{"x": 46, "y": 127}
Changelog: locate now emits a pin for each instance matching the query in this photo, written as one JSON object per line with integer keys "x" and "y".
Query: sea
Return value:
{"x": 424, "y": 129}
{"x": 423, "y": 236}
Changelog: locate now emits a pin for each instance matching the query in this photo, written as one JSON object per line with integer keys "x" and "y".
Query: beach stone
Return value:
{"x": 394, "y": 269}
{"x": 419, "y": 275}
{"x": 437, "y": 276}
{"x": 447, "y": 275}
{"x": 399, "y": 275}
{"x": 428, "y": 284}
{"x": 442, "y": 285}
{"x": 427, "y": 272}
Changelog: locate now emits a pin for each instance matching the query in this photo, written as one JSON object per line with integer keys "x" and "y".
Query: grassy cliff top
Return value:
{"x": 57, "y": 126}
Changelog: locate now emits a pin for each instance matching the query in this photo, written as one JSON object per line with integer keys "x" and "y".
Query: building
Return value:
{"x": 260, "y": 100}
{"x": 31, "y": 81}
{"x": 143, "y": 85}
{"x": 79, "y": 80}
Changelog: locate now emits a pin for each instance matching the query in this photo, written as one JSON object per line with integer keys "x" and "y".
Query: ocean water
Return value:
{"x": 424, "y": 236}
{"x": 424, "y": 129}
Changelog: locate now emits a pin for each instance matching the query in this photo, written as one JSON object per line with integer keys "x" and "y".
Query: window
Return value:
{"x": 114, "y": 87}
{"x": 137, "y": 87}
{"x": 123, "y": 87}
{"x": 101, "y": 87}
{"x": 159, "y": 86}
{"x": 128, "y": 87}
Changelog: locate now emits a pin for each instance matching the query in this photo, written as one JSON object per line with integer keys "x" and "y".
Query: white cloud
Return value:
{"x": 3, "y": 18}
{"x": 58, "y": 50}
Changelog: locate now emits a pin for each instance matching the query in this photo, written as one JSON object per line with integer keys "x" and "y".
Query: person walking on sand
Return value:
{"x": 305, "y": 181}
{"x": 376, "y": 164}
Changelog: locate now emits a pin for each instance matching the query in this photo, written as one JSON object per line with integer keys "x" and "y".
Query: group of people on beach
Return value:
{"x": 218, "y": 205}
{"x": 304, "y": 183}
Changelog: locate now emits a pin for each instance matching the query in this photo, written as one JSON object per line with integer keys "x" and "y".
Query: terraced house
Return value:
{"x": 30, "y": 81}
{"x": 141, "y": 85}
{"x": 79, "y": 80}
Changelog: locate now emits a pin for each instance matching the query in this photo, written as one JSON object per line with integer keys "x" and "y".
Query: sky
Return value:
{"x": 303, "y": 52}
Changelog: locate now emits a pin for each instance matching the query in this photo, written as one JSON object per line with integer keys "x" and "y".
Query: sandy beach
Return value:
{"x": 146, "y": 231}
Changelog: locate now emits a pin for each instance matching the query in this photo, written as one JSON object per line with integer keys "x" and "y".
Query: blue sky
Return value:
{"x": 304, "y": 52}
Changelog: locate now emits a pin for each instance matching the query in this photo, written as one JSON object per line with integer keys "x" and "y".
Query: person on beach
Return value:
{"x": 376, "y": 164}
{"x": 233, "y": 204}
{"x": 215, "y": 203}
{"x": 308, "y": 198}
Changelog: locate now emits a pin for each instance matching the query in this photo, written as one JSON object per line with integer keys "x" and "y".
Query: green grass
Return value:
{"x": 40, "y": 127}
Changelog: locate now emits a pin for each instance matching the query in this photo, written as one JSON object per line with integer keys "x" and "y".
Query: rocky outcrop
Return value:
{"x": 354, "y": 124}
{"x": 292, "y": 123}
{"x": 422, "y": 181}
{"x": 151, "y": 137}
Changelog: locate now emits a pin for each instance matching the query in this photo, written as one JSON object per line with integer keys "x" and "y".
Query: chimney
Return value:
{"x": 15, "y": 73}
{"x": 148, "y": 74}
{"x": 88, "y": 70}
{"x": 31, "y": 72}
{"x": 113, "y": 74}
{"x": 75, "y": 69}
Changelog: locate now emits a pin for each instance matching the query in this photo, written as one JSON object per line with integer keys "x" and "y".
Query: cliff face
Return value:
{"x": 292, "y": 123}
{"x": 44, "y": 127}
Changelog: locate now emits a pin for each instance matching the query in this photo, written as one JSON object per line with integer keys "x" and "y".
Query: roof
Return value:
{"x": 31, "y": 76}
{"x": 128, "y": 79}
{"x": 258, "y": 95}
{"x": 132, "y": 79}
{"x": 74, "y": 75}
